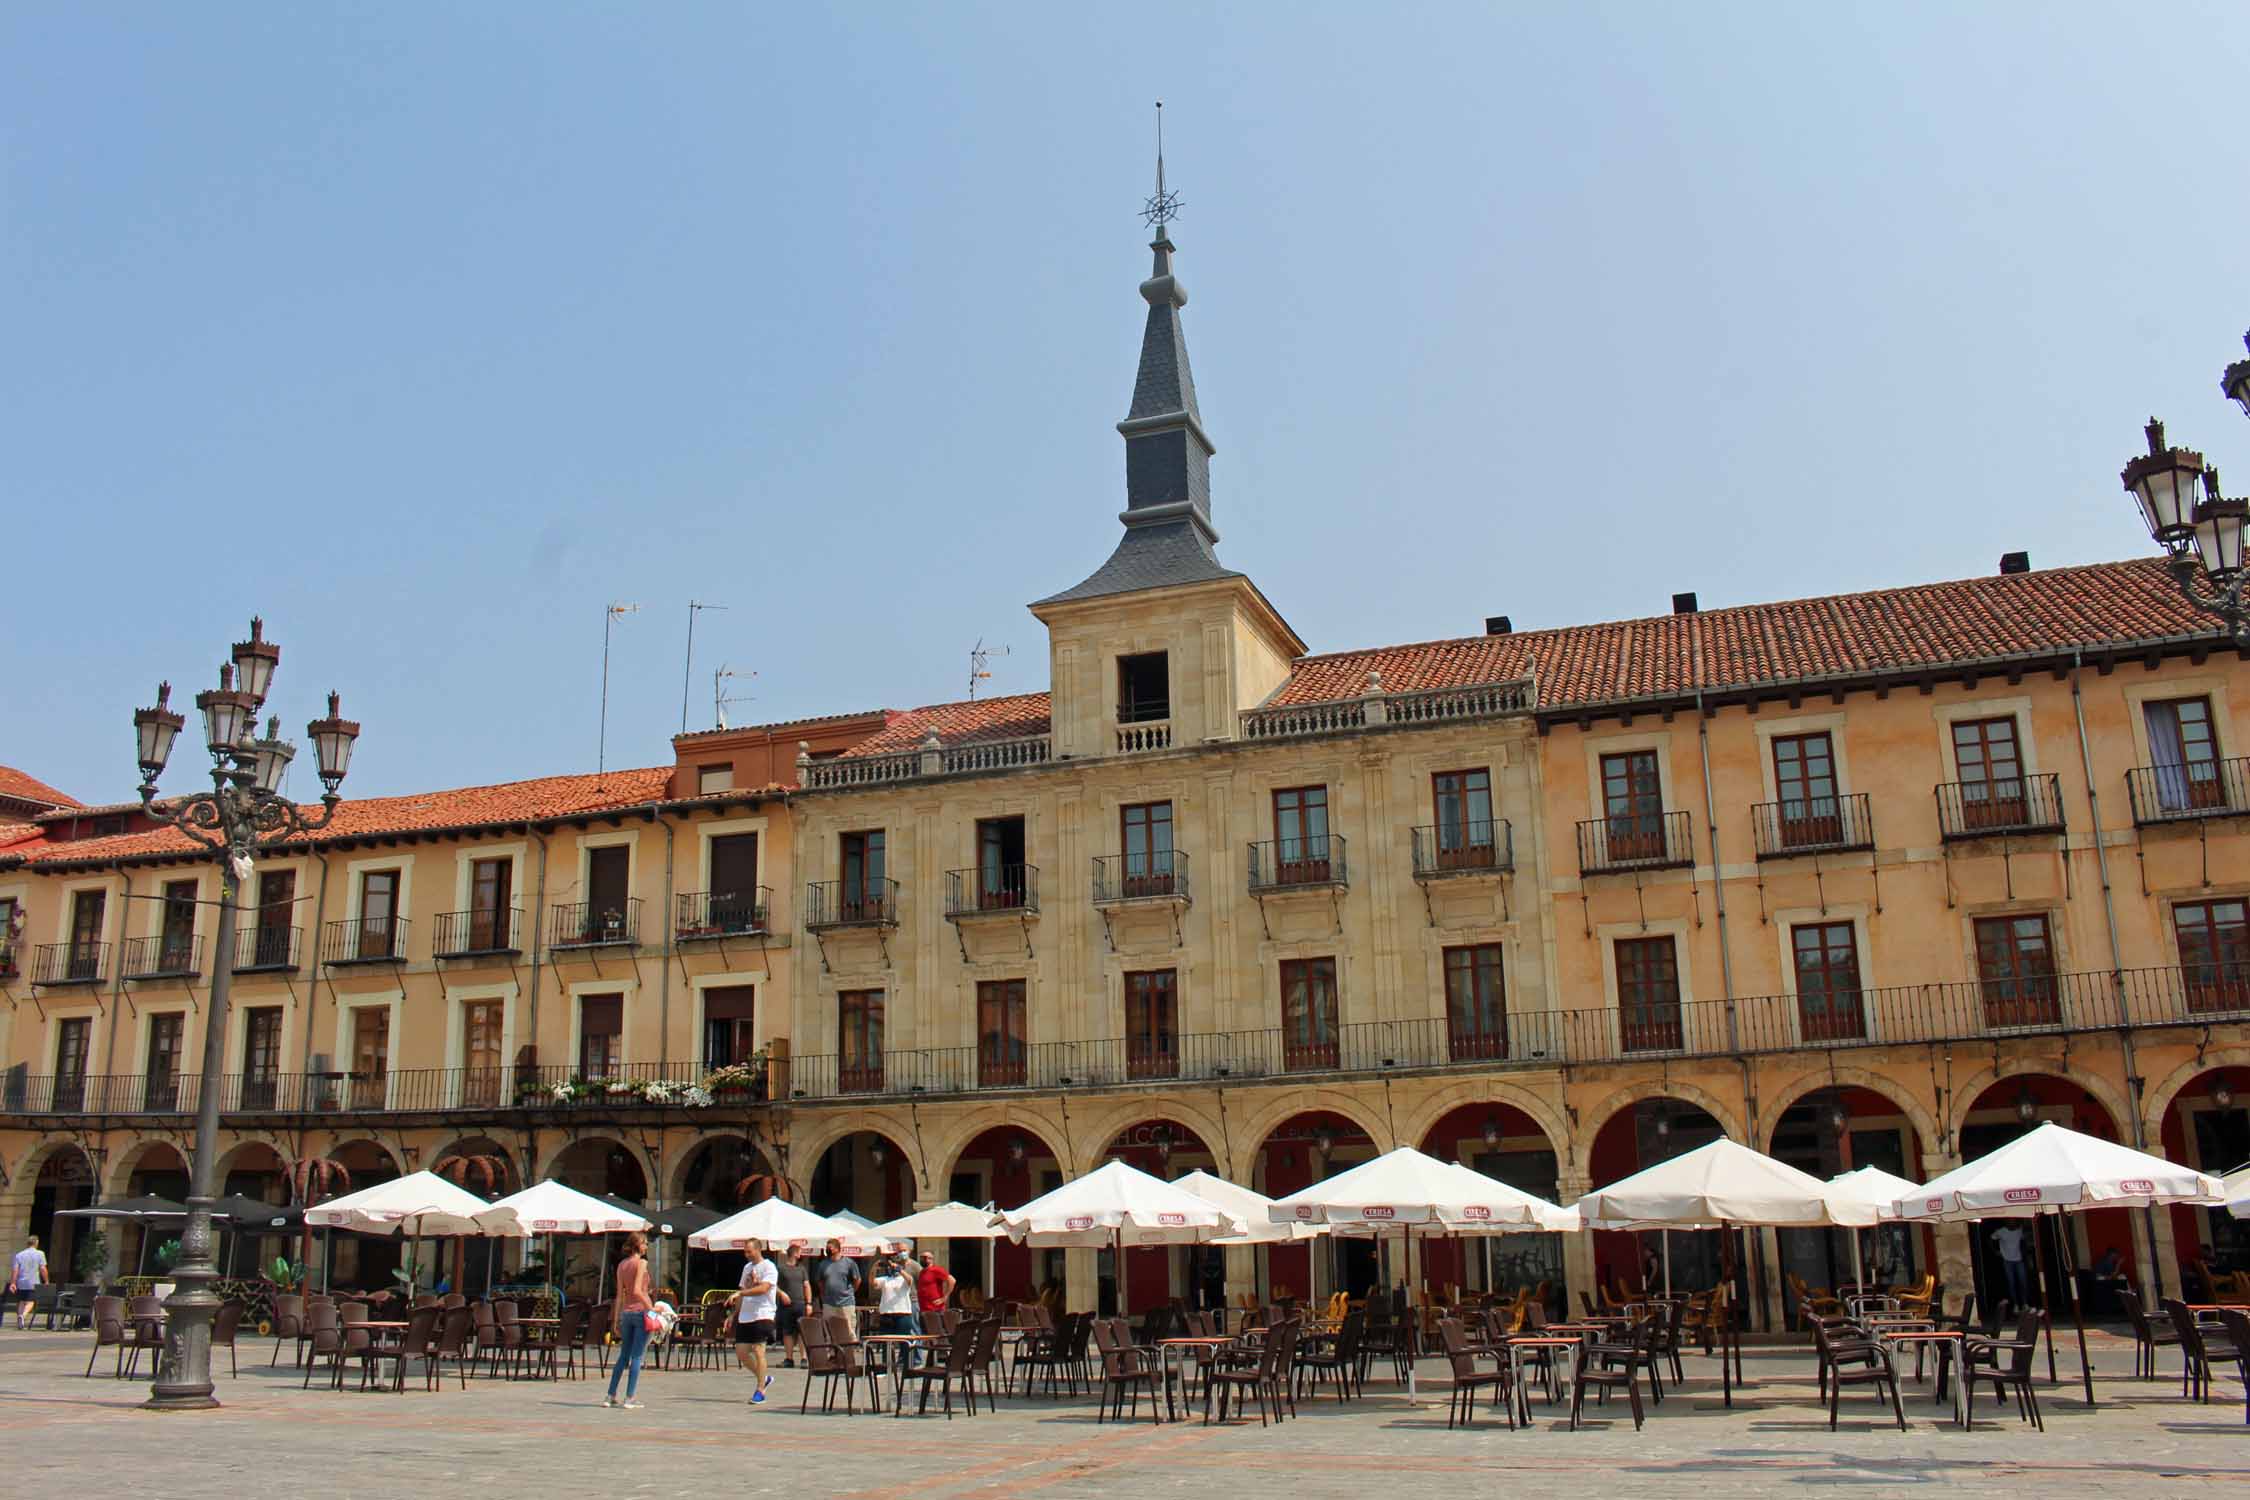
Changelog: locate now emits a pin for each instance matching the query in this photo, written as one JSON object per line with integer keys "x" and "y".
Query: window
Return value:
{"x": 1003, "y": 1048}
{"x": 178, "y": 937}
{"x": 371, "y": 1056}
{"x": 2185, "y": 750}
{"x": 276, "y": 925}
{"x": 1300, "y": 835}
{"x": 609, "y": 890}
{"x": 1991, "y": 770}
{"x": 378, "y": 914}
{"x": 492, "y": 926}
{"x": 1308, "y": 1013}
{"x": 2214, "y": 941}
{"x": 1001, "y": 883}
{"x": 864, "y": 895}
{"x": 711, "y": 780}
{"x": 1465, "y": 831}
{"x": 1152, "y": 1044}
{"x": 2016, "y": 971}
{"x": 1146, "y": 829}
{"x": 734, "y": 884}
{"x": 1633, "y": 805}
{"x": 480, "y": 1052}
{"x": 1144, "y": 687}
{"x": 9, "y": 915}
{"x": 74, "y": 1039}
{"x": 1804, "y": 778}
{"x": 601, "y": 1035}
{"x": 261, "y": 1056}
{"x": 164, "y": 1035}
{"x": 1828, "y": 998}
{"x": 728, "y": 1014}
{"x": 1476, "y": 1016}
{"x": 859, "y": 1042}
{"x": 85, "y": 955}
{"x": 1648, "y": 995}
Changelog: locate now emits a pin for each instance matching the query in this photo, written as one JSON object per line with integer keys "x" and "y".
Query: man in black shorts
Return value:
{"x": 753, "y": 1316}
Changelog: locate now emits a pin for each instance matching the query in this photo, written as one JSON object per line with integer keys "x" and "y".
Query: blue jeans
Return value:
{"x": 632, "y": 1344}
{"x": 2019, "y": 1283}
{"x": 904, "y": 1323}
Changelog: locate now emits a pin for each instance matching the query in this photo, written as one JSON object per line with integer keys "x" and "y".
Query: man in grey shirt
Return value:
{"x": 837, "y": 1279}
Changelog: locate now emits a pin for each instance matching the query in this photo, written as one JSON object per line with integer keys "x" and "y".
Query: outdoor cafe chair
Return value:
{"x": 1461, "y": 1406}
{"x": 2148, "y": 1336}
{"x": 453, "y": 1342}
{"x": 1337, "y": 1354}
{"x": 2200, "y": 1345}
{"x": 113, "y": 1331}
{"x": 1597, "y": 1373}
{"x": 1126, "y": 1371}
{"x": 288, "y": 1325}
{"x": 2005, "y": 1365}
{"x": 1851, "y": 1357}
{"x": 324, "y": 1339}
{"x": 828, "y": 1360}
{"x": 484, "y": 1331}
{"x": 413, "y": 1342}
{"x": 954, "y": 1366}
{"x": 1641, "y": 1349}
{"x": 2238, "y": 1334}
{"x": 983, "y": 1335}
{"x": 512, "y": 1347}
{"x": 570, "y": 1336}
{"x": 223, "y": 1329}
{"x": 1262, "y": 1378}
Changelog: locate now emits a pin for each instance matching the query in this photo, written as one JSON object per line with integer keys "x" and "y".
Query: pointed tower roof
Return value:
{"x": 1168, "y": 537}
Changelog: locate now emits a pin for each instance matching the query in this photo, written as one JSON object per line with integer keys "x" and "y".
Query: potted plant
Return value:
{"x": 736, "y": 1081}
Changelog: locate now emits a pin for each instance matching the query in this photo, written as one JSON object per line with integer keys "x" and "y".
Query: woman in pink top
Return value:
{"x": 633, "y": 1304}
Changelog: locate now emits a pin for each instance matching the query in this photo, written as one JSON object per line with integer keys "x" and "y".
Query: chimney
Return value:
{"x": 2014, "y": 562}
{"x": 1498, "y": 625}
{"x": 1684, "y": 604}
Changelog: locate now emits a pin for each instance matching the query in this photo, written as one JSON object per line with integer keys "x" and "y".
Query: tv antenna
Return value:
{"x": 687, "y": 673}
{"x": 980, "y": 657}
{"x": 610, "y": 617}
{"x": 720, "y": 702}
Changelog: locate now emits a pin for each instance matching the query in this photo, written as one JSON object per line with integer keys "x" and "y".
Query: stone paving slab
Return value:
{"x": 697, "y": 1436}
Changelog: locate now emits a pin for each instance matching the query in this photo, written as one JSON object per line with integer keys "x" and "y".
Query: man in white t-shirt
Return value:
{"x": 895, "y": 1302}
{"x": 753, "y": 1315}
{"x": 26, "y": 1274}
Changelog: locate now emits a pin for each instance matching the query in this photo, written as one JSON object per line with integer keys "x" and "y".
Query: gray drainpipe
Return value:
{"x": 538, "y": 950}
{"x": 664, "y": 952}
{"x": 1718, "y": 879}
{"x": 312, "y": 989}
{"x": 117, "y": 975}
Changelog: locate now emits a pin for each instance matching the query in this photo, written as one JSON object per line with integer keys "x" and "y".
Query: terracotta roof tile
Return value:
{"x": 14, "y": 783}
{"x": 964, "y": 723}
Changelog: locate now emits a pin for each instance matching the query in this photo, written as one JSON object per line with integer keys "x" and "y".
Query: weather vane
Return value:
{"x": 1164, "y": 207}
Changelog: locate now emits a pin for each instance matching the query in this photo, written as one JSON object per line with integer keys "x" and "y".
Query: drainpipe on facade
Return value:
{"x": 1718, "y": 877}
{"x": 664, "y": 952}
{"x": 117, "y": 975}
{"x": 538, "y": 914}
{"x": 312, "y": 989}
{"x": 2116, "y": 961}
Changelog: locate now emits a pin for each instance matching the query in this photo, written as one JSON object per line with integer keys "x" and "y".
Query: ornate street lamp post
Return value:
{"x": 242, "y": 815}
{"x": 2200, "y": 530}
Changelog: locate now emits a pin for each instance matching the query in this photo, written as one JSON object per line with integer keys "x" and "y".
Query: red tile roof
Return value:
{"x": 965, "y": 723}
{"x": 14, "y": 783}
{"x": 16, "y": 833}
{"x": 464, "y": 807}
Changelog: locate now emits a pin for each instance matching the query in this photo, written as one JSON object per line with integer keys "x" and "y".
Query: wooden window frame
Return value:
{"x": 1152, "y": 1023}
{"x": 1311, "y": 1020}
{"x": 1650, "y": 1015}
{"x": 480, "y": 1083}
{"x": 1633, "y": 805}
{"x": 378, "y": 936}
{"x": 161, "y": 1074}
{"x": 1300, "y": 835}
{"x": 1475, "y": 980}
{"x": 2215, "y": 962}
{"x": 2016, "y": 979}
{"x": 262, "y": 1028}
{"x": 1464, "y": 842}
{"x": 370, "y": 1086}
{"x": 1831, "y": 990}
{"x": 1806, "y": 816}
{"x": 1990, "y": 800}
{"x": 1149, "y": 871}
{"x": 2196, "y": 780}
{"x": 862, "y": 863}
{"x": 1003, "y": 1033}
{"x": 1001, "y": 884}
{"x": 859, "y": 1041}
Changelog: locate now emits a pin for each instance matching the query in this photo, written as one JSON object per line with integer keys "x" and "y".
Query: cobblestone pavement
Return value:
{"x": 65, "y": 1435}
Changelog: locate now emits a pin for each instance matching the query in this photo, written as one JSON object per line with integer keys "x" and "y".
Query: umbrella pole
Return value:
{"x": 1859, "y": 1277}
{"x": 2077, "y": 1308}
{"x": 1667, "y": 1236}
{"x": 1413, "y": 1317}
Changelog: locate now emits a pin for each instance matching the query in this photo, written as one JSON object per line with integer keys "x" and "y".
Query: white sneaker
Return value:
{"x": 610, "y": 1401}
{"x": 632, "y": 1406}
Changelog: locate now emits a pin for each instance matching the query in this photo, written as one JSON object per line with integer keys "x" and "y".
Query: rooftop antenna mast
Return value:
{"x": 720, "y": 702}
{"x": 601, "y": 752}
{"x": 1165, "y": 206}
{"x": 980, "y": 657}
{"x": 687, "y": 673}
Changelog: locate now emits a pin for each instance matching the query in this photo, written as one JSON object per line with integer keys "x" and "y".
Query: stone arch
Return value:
{"x": 24, "y": 1176}
{"x": 616, "y": 1142}
{"x": 759, "y": 1151}
{"x": 808, "y": 1144}
{"x": 1092, "y": 1145}
{"x": 1730, "y": 1121}
{"x": 360, "y": 1146}
{"x": 1286, "y": 1105}
{"x": 1965, "y": 1095}
{"x": 231, "y": 1159}
{"x": 135, "y": 1158}
{"x": 961, "y": 1133}
{"x": 1812, "y": 1081}
{"x": 2160, "y": 1098}
{"x": 1425, "y": 1117}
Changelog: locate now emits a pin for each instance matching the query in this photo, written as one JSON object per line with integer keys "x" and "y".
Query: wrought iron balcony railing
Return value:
{"x": 164, "y": 956}
{"x": 1487, "y": 847}
{"x": 475, "y": 934}
{"x": 701, "y": 916}
{"x": 860, "y": 903}
{"x": 1299, "y": 863}
{"x": 364, "y": 940}
{"x": 1812, "y": 825}
{"x": 595, "y": 924}
{"x": 266, "y": 950}
{"x": 70, "y": 963}
{"x": 1988, "y": 809}
{"x": 996, "y": 890}
{"x": 1158, "y": 876}
{"x": 2181, "y": 794}
{"x": 8, "y": 961}
{"x": 1625, "y": 842}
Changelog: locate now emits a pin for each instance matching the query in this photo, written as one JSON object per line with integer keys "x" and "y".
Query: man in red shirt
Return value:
{"x": 932, "y": 1286}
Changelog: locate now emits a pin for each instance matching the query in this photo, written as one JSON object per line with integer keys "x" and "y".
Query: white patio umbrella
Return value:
{"x": 947, "y": 1221}
{"x": 551, "y": 1208}
{"x": 1253, "y": 1208}
{"x": 855, "y": 1220}
{"x": 2236, "y": 1185}
{"x": 417, "y": 1204}
{"x": 778, "y": 1222}
{"x": 2050, "y": 1169}
{"x": 1870, "y": 1191}
{"x": 1118, "y": 1204}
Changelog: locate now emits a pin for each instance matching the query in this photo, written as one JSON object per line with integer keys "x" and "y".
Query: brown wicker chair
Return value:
{"x": 2006, "y": 1364}
{"x": 1624, "y": 1358}
{"x": 2148, "y": 1335}
{"x": 1461, "y": 1406}
{"x": 453, "y": 1342}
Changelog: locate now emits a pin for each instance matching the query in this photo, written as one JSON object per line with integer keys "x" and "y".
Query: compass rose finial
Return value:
{"x": 1162, "y": 209}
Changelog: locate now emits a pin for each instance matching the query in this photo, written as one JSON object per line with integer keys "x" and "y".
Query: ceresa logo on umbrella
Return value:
{"x": 1932, "y": 1205}
{"x": 546, "y": 1225}
{"x": 1172, "y": 1221}
{"x": 2021, "y": 1195}
{"x": 2137, "y": 1185}
{"x": 1307, "y": 1212}
{"x": 1079, "y": 1221}
{"x": 1378, "y": 1211}
{"x": 1476, "y": 1211}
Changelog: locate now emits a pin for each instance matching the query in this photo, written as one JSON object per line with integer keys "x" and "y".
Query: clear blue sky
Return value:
{"x": 428, "y": 331}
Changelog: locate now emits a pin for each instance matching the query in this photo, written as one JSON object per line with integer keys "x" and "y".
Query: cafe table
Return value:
{"x": 1951, "y": 1347}
{"x": 894, "y": 1347}
{"x": 1173, "y": 1353}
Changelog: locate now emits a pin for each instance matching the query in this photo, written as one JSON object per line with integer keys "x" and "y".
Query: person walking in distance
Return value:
{"x": 633, "y": 1307}
{"x": 754, "y": 1315}
{"x": 792, "y": 1277}
{"x": 2008, "y": 1240}
{"x": 26, "y": 1274}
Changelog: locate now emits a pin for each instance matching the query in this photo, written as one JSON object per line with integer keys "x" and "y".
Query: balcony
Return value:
{"x": 363, "y": 940}
{"x": 830, "y": 904}
{"x": 175, "y": 956}
{"x": 1309, "y": 863}
{"x": 479, "y": 934}
{"x": 594, "y": 924}
{"x": 1002, "y": 891}
{"x": 56, "y": 964}
{"x": 1635, "y": 841}
{"x": 9, "y": 963}
{"x": 1144, "y": 736}
{"x": 1989, "y": 809}
{"x": 1448, "y": 849}
{"x": 266, "y": 950}
{"x": 1158, "y": 876}
{"x": 707, "y": 916}
{"x": 1814, "y": 825}
{"x": 2185, "y": 794}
